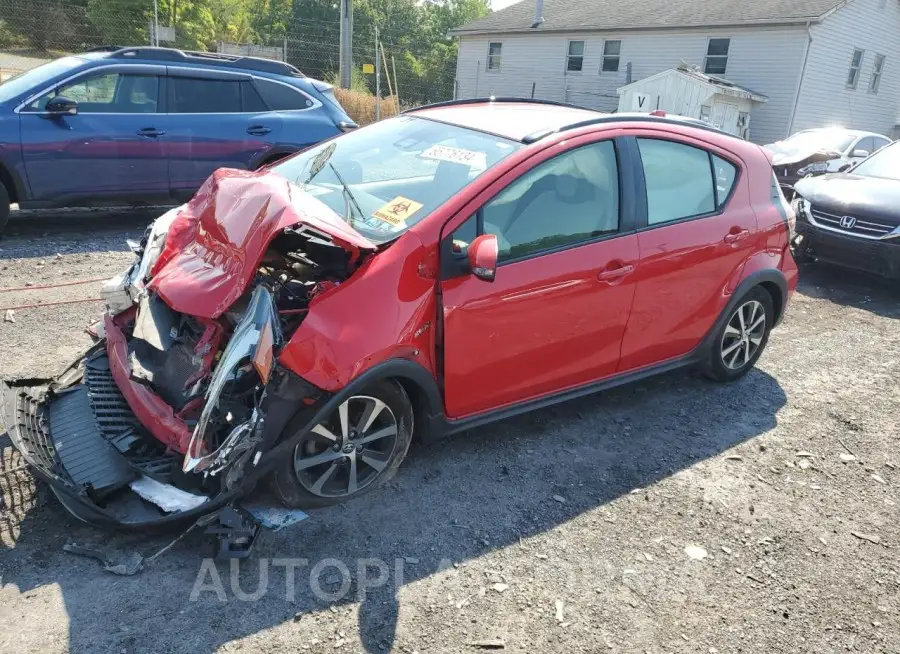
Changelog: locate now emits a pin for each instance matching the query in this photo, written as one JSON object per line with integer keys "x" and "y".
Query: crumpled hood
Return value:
{"x": 784, "y": 154}
{"x": 216, "y": 243}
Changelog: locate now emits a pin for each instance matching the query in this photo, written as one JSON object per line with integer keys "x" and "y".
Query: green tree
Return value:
{"x": 126, "y": 22}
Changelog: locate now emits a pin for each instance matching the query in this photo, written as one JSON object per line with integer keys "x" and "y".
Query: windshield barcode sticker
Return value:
{"x": 455, "y": 155}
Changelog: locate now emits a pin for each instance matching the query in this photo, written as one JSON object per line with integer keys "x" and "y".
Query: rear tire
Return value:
{"x": 357, "y": 448}
{"x": 4, "y": 207}
{"x": 740, "y": 341}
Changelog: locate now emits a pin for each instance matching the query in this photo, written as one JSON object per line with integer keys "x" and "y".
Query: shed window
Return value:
{"x": 575, "y": 58}
{"x": 611, "y": 50}
{"x": 494, "y": 55}
{"x": 876, "y": 73}
{"x": 855, "y": 66}
{"x": 716, "y": 56}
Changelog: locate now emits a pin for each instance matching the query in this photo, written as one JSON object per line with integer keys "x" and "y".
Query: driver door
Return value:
{"x": 114, "y": 147}
{"x": 555, "y": 316}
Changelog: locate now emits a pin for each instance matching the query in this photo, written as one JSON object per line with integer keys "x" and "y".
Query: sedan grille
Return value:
{"x": 852, "y": 224}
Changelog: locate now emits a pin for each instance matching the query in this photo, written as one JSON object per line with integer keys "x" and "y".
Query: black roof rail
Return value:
{"x": 214, "y": 58}
{"x": 463, "y": 101}
{"x": 106, "y": 48}
{"x": 627, "y": 117}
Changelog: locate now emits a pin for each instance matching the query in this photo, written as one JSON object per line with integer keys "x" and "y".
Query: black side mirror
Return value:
{"x": 61, "y": 106}
{"x": 845, "y": 167}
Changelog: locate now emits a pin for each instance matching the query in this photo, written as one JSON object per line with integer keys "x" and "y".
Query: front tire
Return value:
{"x": 357, "y": 448}
{"x": 740, "y": 341}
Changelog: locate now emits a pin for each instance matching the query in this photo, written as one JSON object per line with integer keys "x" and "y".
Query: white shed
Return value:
{"x": 688, "y": 92}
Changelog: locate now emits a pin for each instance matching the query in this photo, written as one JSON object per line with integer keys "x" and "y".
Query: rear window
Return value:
{"x": 280, "y": 97}
{"x": 726, "y": 173}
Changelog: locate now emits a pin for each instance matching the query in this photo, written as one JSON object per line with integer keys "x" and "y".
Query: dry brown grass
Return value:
{"x": 361, "y": 106}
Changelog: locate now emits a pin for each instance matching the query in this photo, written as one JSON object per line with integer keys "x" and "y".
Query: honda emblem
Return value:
{"x": 848, "y": 222}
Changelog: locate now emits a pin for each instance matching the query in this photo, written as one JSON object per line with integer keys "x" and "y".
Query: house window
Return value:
{"x": 855, "y": 66}
{"x": 493, "y": 60}
{"x": 611, "y": 50}
{"x": 716, "y": 56}
{"x": 876, "y": 73}
{"x": 575, "y": 58}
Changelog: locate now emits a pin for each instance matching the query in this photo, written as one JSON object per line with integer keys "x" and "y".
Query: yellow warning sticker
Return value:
{"x": 397, "y": 211}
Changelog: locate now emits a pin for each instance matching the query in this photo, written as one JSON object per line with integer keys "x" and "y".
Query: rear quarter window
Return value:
{"x": 281, "y": 97}
{"x": 725, "y": 173}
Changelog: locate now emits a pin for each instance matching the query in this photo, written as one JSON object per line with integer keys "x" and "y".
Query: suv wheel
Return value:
{"x": 4, "y": 207}
{"x": 357, "y": 448}
{"x": 741, "y": 340}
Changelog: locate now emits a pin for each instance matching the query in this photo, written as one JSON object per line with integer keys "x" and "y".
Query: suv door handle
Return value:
{"x": 613, "y": 274}
{"x": 150, "y": 131}
{"x": 258, "y": 130}
{"x": 734, "y": 237}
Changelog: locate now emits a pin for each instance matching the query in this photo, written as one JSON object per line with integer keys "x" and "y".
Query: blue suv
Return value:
{"x": 148, "y": 125}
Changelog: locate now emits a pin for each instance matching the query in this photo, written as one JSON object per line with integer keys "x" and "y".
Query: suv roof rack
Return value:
{"x": 214, "y": 58}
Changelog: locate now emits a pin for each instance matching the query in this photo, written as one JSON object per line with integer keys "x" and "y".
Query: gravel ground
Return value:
{"x": 672, "y": 515}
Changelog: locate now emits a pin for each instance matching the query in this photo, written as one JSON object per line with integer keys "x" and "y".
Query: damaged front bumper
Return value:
{"x": 80, "y": 434}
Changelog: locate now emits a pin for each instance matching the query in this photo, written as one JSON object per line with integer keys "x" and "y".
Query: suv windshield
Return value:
{"x": 884, "y": 163}
{"x": 821, "y": 139}
{"x": 36, "y": 77}
{"x": 386, "y": 177}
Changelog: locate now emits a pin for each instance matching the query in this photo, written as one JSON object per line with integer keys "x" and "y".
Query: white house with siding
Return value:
{"x": 819, "y": 62}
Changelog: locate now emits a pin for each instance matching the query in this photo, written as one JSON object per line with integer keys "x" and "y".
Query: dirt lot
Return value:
{"x": 574, "y": 529}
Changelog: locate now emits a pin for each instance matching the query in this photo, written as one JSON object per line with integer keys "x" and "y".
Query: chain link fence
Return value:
{"x": 33, "y": 32}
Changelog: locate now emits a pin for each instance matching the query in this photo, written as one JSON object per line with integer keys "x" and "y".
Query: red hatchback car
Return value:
{"x": 432, "y": 272}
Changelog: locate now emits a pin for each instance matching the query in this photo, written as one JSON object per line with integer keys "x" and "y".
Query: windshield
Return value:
{"x": 34, "y": 78}
{"x": 884, "y": 163}
{"x": 384, "y": 178}
{"x": 821, "y": 139}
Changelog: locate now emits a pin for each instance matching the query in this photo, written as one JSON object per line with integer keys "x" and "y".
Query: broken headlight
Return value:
{"x": 253, "y": 342}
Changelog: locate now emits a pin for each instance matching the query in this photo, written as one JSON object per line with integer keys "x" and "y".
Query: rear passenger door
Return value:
{"x": 216, "y": 120}
{"x": 694, "y": 238}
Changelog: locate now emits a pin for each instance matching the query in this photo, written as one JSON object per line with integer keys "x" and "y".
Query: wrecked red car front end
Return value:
{"x": 181, "y": 405}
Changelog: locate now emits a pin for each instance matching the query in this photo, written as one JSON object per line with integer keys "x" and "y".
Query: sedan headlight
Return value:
{"x": 254, "y": 341}
{"x": 801, "y": 208}
{"x": 818, "y": 167}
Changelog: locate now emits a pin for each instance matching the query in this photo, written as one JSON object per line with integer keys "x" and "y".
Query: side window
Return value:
{"x": 879, "y": 143}
{"x": 250, "y": 100}
{"x": 867, "y": 144}
{"x": 107, "y": 93}
{"x": 279, "y": 97}
{"x": 678, "y": 179}
{"x": 569, "y": 199}
{"x": 726, "y": 173}
{"x": 716, "y": 56}
{"x": 611, "y": 50}
{"x": 494, "y": 57}
{"x": 575, "y": 57}
{"x": 204, "y": 96}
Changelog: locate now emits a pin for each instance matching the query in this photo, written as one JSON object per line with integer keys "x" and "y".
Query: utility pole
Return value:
{"x": 346, "y": 51}
{"x": 154, "y": 38}
{"x": 377, "y": 78}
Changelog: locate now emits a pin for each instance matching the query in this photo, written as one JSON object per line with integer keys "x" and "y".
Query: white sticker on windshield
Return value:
{"x": 456, "y": 155}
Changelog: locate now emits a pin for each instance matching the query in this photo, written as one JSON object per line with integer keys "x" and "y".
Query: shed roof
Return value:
{"x": 720, "y": 84}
